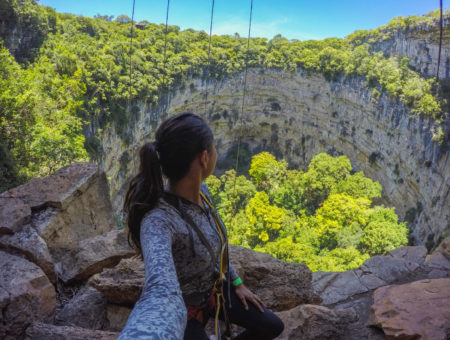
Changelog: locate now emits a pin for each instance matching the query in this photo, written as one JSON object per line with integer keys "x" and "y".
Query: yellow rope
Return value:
{"x": 219, "y": 293}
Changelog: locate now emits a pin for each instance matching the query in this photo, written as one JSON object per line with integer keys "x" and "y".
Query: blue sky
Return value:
{"x": 294, "y": 19}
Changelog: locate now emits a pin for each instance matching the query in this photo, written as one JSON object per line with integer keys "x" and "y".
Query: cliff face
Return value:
{"x": 296, "y": 116}
{"x": 421, "y": 46}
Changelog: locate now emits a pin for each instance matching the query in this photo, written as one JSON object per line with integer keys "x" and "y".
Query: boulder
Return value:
{"x": 13, "y": 213}
{"x": 281, "y": 285}
{"x": 417, "y": 310}
{"x": 117, "y": 316}
{"x": 40, "y": 331}
{"x": 93, "y": 255}
{"x": 27, "y": 242}
{"x": 64, "y": 208}
{"x": 57, "y": 190}
{"x": 26, "y": 295}
{"x": 444, "y": 248}
{"x": 312, "y": 322}
{"x": 122, "y": 284}
{"x": 87, "y": 309}
{"x": 377, "y": 271}
{"x": 415, "y": 254}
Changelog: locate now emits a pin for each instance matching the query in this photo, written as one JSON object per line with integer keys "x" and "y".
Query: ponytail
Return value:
{"x": 143, "y": 193}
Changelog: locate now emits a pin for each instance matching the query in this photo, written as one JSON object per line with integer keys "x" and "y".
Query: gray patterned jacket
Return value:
{"x": 173, "y": 269}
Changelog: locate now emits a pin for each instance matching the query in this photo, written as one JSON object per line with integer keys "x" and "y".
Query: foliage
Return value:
{"x": 77, "y": 73}
{"x": 323, "y": 217}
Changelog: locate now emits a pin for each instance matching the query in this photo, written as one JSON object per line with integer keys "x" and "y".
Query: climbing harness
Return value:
{"x": 196, "y": 304}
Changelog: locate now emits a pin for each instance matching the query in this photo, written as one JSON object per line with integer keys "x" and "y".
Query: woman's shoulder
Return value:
{"x": 163, "y": 215}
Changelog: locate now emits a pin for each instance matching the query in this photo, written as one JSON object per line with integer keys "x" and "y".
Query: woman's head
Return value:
{"x": 178, "y": 141}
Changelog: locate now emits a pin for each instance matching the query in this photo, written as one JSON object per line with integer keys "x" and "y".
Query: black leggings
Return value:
{"x": 259, "y": 326}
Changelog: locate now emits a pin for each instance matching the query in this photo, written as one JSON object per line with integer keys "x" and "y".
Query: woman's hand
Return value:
{"x": 245, "y": 294}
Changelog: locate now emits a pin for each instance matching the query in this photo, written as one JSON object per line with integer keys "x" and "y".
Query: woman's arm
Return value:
{"x": 160, "y": 313}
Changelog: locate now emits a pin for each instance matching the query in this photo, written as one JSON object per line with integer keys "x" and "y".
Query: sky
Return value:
{"x": 294, "y": 19}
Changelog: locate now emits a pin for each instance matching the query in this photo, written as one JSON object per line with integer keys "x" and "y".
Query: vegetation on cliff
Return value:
{"x": 322, "y": 217}
{"x": 80, "y": 75}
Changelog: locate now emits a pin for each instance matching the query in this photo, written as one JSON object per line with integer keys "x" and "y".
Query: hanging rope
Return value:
{"x": 440, "y": 42}
{"x": 165, "y": 43}
{"x": 244, "y": 93}
{"x": 209, "y": 52}
{"x": 131, "y": 50}
{"x": 245, "y": 80}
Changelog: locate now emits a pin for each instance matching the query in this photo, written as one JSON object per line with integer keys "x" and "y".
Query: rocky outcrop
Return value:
{"x": 311, "y": 322}
{"x": 51, "y": 221}
{"x": 417, "y": 310}
{"x": 39, "y": 331}
{"x": 421, "y": 45}
{"x": 55, "y": 233}
{"x": 298, "y": 115}
{"x": 94, "y": 254}
{"x": 121, "y": 284}
{"x": 279, "y": 284}
{"x": 87, "y": 309}
{"x": 26, "y": 294}
{"x": 353, "y": 290}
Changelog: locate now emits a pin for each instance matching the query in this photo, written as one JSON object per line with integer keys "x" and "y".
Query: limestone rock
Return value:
{"x": 28, "y": 243}
{"x": 415, "y": 254}
{"x": 26, "y": 295}
{"x": 279, "y": 284}
{"x": 117, "y": 316}
{"x": 417, "y": 310}
{"x": 122, "y": 284}
{"x": 57, "y": 190}
{"x": 87, "y": 309}
{"x": 94, "y": 254}
{"x": 40, "y": 331}
{"x": 13, "y": 213}
{"x": 444, "y": 248}
{"x": 65, "y": 208}
{"x": 312, "y": 322}
{"x": 334, "y": 287}
{"x": 297, "y": 115}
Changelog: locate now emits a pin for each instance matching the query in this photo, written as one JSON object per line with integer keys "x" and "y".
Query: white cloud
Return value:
{"x": 266, "y": 29}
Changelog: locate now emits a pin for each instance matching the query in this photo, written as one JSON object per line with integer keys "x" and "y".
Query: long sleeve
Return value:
{"x": 160, "y": 313}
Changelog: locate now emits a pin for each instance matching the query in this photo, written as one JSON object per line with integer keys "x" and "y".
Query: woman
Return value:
{"x": 183, "y": 243}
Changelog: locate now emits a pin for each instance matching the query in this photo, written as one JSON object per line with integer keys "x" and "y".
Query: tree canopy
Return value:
{"x": 323, "y": 217}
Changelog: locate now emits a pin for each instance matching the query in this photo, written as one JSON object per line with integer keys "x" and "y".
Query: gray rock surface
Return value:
{"x": 27, "y": 242}
{"x": 117, "y": 316}
{"x": 279, "y": 284}
{"x": 311, "y": 322}
{"x": 93, "y": 255}
{"x": 122, "y": 284}
{"x": 41, "y": 331}
{"x": 26, "y": 295}
{"x": 87, "y": 309}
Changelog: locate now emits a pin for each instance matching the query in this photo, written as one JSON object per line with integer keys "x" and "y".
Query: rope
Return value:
{"x": 131, "y": 49}
{"x": 244, "y": 92}
{"x": 440, "y": 42}
{"x": 209, "y": 51}
{"x": 165, "y": 43}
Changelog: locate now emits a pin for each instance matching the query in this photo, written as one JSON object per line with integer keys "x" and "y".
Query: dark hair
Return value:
{"x": 178, "y": 140}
